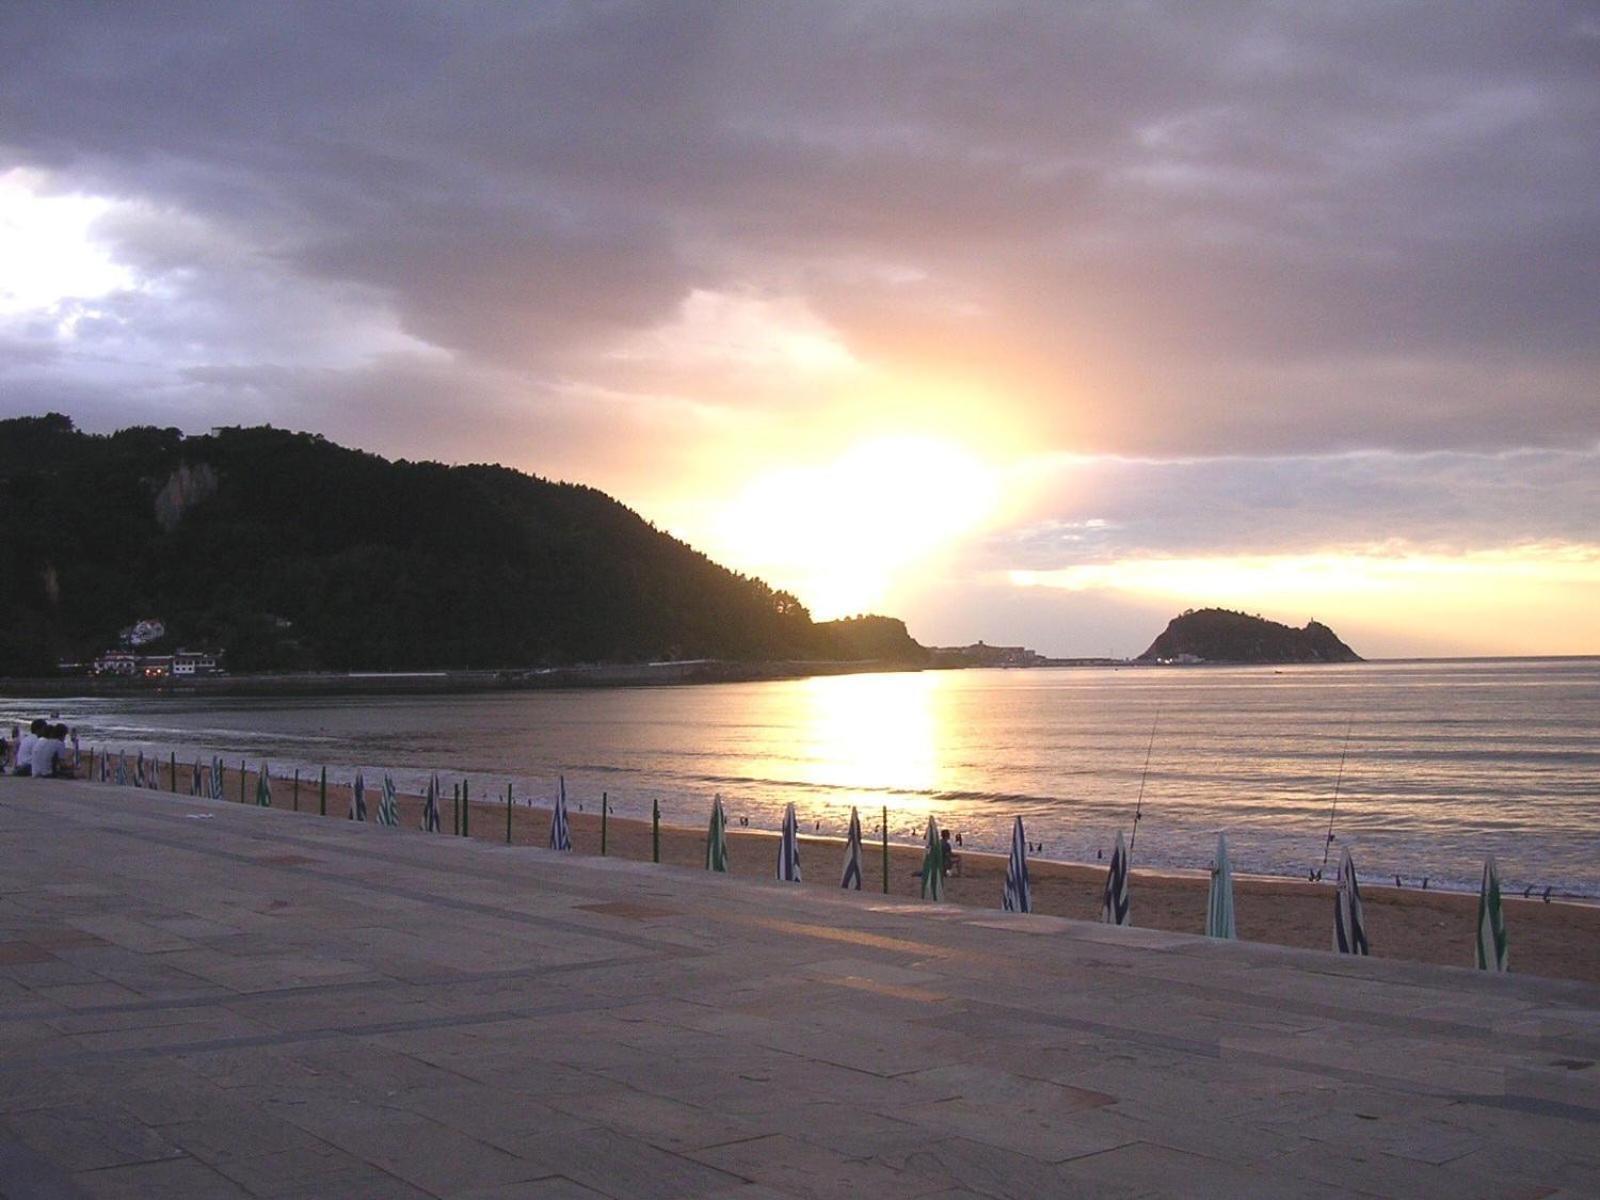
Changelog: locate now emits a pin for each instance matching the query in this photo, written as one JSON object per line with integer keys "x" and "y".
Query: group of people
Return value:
{"x": 41, "y": 751}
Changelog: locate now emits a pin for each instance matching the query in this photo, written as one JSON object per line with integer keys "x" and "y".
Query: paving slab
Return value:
{"x": 266, "y": 1004}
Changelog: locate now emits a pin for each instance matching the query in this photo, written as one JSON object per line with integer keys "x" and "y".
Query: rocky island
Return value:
{"x": 1219, "y": 635}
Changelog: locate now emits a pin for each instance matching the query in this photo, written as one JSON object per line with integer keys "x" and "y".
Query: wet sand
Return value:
{"x": 1559, "y": 940}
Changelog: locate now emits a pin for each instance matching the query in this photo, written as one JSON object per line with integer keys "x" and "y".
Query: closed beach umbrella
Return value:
{"x": 264, "y": 788}
{"x": 430, "y": 807}
{"x": 138, "y": 770}
{"x": 1016, "y": 897}
{"x": 1114, "y": 908}
{"x": 216, "y": 778}
{"x": 852, "y": 854}
{"x": 1349, "y": 927}
{"x": 153, "y": 779}
{"x": 122, "y": 768}
{"x": 717, "y": 838}
{"x": 388, "y": 808}
{"x": 932, "y": 863}
{"x": 560, "y": 833}
{"x": 358, "y": 798}
{"x": 1492, "y": 950}
{"x": 1219, "y": 905}
{"x": 105, "y": 767}
{"x": 195, "y": 783}
{"x": 789, "y": 848}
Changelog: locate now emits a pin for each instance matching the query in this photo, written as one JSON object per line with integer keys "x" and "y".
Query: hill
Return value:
{"x": 1218, "y": 635}
{"x": 291, "y": 553}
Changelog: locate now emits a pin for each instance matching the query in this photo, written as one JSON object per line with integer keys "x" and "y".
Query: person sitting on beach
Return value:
{"x": 952, "y": 860}
{"x": 49, "y": 754}
{"x": 26, "y": 745}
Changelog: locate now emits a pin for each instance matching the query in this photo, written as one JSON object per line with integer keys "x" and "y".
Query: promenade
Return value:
{"x": 203, "y": 999}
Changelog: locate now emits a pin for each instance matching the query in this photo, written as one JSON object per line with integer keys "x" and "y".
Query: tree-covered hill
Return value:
{"x": 1219, "y": 635}
{"x": 290, "y": 552}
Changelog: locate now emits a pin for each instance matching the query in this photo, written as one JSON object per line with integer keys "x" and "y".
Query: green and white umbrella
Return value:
{"x": 789, "y": 848}
{"x": 1349, "y": 926}
{"x": 932, "y": 863}
{"x": 388, "y": 804}
{"x": 1114, "y": 907}
{"x": 358, "y": 798}
{"x": 717, "y": 838}
{"x": 852, "y": 854}
{"x": 1493, "y": 954}
{"x": 264, "y": 788}
{"x": 1219, "y": 905}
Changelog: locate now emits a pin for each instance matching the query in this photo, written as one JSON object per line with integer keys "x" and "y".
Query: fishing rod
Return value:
{"x": 1138, "y": 805}
{"x": 1327, "y": 845}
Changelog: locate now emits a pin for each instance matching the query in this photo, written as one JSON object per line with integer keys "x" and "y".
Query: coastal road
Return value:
{"x": 204, "y": 999}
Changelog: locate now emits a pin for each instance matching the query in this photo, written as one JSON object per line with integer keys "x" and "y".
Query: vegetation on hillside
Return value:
{"x": 290, "y": 552}
{"x": 1219, "y": 635}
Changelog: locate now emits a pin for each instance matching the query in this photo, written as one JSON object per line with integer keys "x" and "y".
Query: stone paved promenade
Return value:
{"x": 210, "y": 1000}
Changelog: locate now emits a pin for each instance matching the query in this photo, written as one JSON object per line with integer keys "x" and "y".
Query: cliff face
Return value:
{"x": 1218, "y": 635}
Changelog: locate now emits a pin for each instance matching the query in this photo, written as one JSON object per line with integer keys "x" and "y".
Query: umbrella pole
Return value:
{"x": 885, "y": 849}
{"x": 1138, "y": 805}
{"x": 1328, "y": 841}
{"x": 602, "y": 823}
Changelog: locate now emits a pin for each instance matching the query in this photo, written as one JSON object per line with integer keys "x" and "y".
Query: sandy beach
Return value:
{"x": 1559, "y": 940}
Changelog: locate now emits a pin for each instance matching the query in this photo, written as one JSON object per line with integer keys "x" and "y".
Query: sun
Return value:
{"x": 837, "y": 533}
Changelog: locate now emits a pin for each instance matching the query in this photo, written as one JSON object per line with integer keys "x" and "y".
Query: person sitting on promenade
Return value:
{"x": 49, "y": 754}
{"x": 26, "y": 745}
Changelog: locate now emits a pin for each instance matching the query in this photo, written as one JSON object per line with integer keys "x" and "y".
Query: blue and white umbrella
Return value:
{"x": 1493, "y": 952}
{"x": 358, "y": 798}
{"x": 560, "y": 831}
{"x": 1349, "y": 927}
{"x": 430, "y": 806}
{"x": 1114, "y": 906}
{"x": 388, "y": 805}
{"x": 216, "y": 777}
{"x": 1016, "y": 897}
{"x": 852, "y": 854}
{"x": 789, "y": 848}
{"x": 1219, "y": 902}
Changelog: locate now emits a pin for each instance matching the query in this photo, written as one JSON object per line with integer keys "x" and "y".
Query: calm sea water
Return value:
{"x": 1447, "y": 761}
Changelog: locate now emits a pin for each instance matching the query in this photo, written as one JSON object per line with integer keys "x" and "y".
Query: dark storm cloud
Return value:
{"x": 1167, "y": 229}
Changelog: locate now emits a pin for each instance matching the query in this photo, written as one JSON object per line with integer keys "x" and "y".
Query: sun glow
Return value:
{"x": 837, "y": 533}
{"x": 47, "y": 247}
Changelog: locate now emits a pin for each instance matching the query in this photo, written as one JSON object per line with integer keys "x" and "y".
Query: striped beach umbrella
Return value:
{"x": 1493, "y": 953}
{"x": 852, "y": 853}
{"x": 263, "y": 788}
{"x": 1219, "y": 904}
{"x": 932, "y": 863}
{"x": 195, "y": 781}
{"x": 1016, "y": 896}
{"x": 789, "y": 848}
{"x": 430, "y": 806}
{"x": 1114, "y": 907}
{"x": 388, "y": 807}
{"x": 138, "y": 770}
{"x": 122, "y": 768}
{"x": 358, "y": 798}
{"x": 560, "y": 831}
{"x": 216, "y": 777}
{"x": 1349, "y": 927}
{"x": 717, "y": 838}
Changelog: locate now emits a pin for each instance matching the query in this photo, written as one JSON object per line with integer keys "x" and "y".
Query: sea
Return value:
{"x": 1420, "y": 768}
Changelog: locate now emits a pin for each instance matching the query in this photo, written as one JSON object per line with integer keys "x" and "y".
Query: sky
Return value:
{"x": 1032, "y": 323}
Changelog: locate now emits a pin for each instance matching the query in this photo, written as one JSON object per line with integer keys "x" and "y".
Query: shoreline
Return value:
{"x": 1558, "y": 939}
